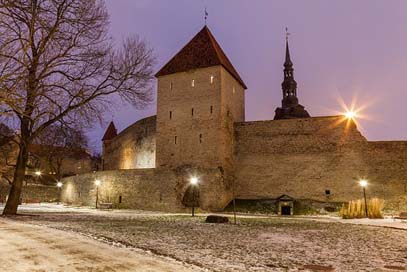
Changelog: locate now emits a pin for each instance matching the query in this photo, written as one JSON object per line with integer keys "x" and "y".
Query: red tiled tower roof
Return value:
{"x": 110, "y": 133}
{"x": 202, "y": 51}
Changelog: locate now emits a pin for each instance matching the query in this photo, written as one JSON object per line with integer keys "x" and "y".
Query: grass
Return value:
{"x": 356, "y": 209}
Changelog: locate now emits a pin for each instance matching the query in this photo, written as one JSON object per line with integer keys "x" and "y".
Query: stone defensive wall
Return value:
{"x": 132, "y": 148}
{"x": 320, "y": 159}
{"x": 32, "y": 193}
{"x": 147, "y": 189}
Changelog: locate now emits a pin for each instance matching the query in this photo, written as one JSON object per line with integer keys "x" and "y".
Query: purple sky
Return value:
{"x": 341, "y": 48}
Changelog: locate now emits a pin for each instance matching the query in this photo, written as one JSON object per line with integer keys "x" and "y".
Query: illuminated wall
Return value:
{"x": 133, "y": 148}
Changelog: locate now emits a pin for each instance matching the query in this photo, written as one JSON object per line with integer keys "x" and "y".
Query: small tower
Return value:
{"x": 111, "y": 132}
{"x": 290, "y": 106}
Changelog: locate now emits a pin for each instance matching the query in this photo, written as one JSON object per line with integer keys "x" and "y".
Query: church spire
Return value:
{"x": 290, "y": 106}
{"x": 288, "y": 62}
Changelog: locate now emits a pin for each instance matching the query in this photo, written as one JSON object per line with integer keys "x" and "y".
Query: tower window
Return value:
{"x": 233, "y": 90}
{"x": 212, "y": 78}
{"x": 200, "y": 138}
{"x": 170, "y": 85}
{"x": 327, "y": 192}
{"x": 175, "y": 140}
{"x": 120, "y": 199}
{"x": 211, "y": 109}
{"x": 192, "y": 112}
{"x": 170, "y": 114}
{"x": 193, "y": 83}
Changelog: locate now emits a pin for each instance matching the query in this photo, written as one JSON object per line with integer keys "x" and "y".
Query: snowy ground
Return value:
{"x": 25, "y": 247}
{"x": 254, "y": 244}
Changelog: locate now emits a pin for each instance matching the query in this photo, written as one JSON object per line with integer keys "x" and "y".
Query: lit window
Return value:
{"x": 212, "y": 77}
{"x": 193, "y": 83}
{"x": 234, "y": 90}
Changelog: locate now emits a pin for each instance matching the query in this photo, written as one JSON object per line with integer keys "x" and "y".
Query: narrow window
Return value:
{"x": 192, "y": 112}
{"x": 170, "y": 114}
{"x": 200, "y": 138}
{"x": 211, "y": 109}
{"x": 228, "y": 113}
{"x": 120, "y": 199}
{"x": 175, "y": 140}
{"x": 212, "y": 77}
{"x": 193, "y": 83}
{"x": 234, "y": 90}
{"x": 327, "y": 192}
{"x": 170, "y": 85}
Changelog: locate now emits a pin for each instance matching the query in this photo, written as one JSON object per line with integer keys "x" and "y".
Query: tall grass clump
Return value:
{"x": 356, "y": 209}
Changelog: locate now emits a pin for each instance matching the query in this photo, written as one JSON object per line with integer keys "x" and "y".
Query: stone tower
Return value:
{"x": 200, "y": 95}
{"x": 290, "y": 107}
{"x": 110, "y": 134}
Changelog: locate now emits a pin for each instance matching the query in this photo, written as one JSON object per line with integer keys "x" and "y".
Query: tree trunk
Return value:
{"x": 17, "y": 185}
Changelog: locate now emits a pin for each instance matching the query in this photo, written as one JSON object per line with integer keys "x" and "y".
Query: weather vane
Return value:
{"x": 287, "y": 33}
{"x": 206, "y": 15}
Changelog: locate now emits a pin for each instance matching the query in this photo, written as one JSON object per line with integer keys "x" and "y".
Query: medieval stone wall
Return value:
{"x": 315, "y": 158}
{"x": 148, "y": 189}
{"x": 388, "y": 172}
{"x": 32, "y": 193}
{"x": 133, "y": 148}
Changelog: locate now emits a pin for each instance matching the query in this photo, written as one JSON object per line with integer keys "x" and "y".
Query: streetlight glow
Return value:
{"x": 194, "y": 180}
{"x": 59, "y": 184}
{"x": 363, "y": 183}
{"x": 38, "y": 173}
{"x": 350, "y": 114}
{"x": 97, "y": 182}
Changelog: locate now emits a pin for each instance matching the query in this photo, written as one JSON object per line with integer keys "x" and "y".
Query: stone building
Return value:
{"x": 200, "y": 132}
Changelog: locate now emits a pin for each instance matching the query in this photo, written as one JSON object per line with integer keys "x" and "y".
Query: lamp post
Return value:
{"x": 38, "y": 173}
{"x": 59, "y": 185}
{"x": 97, "y": 184}
{"x": 363, "y": 183}
{"x": 193, "y": 181}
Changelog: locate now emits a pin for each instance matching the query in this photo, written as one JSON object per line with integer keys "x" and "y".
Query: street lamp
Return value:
{"x": 97, "y": 183}
{"x": 38, "y": 173}
{"x": 193, "y": 181}
{"x": 363, "y": 183}
{"x": 59, "y": 185}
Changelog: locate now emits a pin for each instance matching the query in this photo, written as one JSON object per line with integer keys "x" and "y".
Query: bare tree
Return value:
{"x": 58, "y": 64}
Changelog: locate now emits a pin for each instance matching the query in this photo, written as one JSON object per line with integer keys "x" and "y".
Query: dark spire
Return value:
{"x": 288, "y": 62}
{"x": 290, "y": 106}
{"x": 110, "y": 133}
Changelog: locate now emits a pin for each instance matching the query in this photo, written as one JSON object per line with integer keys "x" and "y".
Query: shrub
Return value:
{"x": 356, "y": 209}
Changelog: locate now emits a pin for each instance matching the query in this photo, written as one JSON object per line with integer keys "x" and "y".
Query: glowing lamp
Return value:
{"x": 38, "y": 173}
{"x": 363, "y": 183}
{"x": 194, "y": 180}
{"x": 59, "y": 184}
{"x": 350, "y": 115}
{"x": 98, "y": 182}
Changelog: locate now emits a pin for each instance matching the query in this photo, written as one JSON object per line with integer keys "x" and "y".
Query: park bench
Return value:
{"x": 403, "y": 215}
{"x": 105, "y": 206}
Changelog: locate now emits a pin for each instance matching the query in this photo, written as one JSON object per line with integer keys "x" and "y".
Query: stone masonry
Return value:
{"x": 200, "y": 131}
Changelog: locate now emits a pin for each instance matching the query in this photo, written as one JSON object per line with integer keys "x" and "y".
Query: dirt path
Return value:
{"x": 25, "y": 247}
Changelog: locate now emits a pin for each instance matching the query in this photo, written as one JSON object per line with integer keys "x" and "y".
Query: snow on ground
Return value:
{"x": 25, "y": 247}
{"x": 254, "y": 244}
